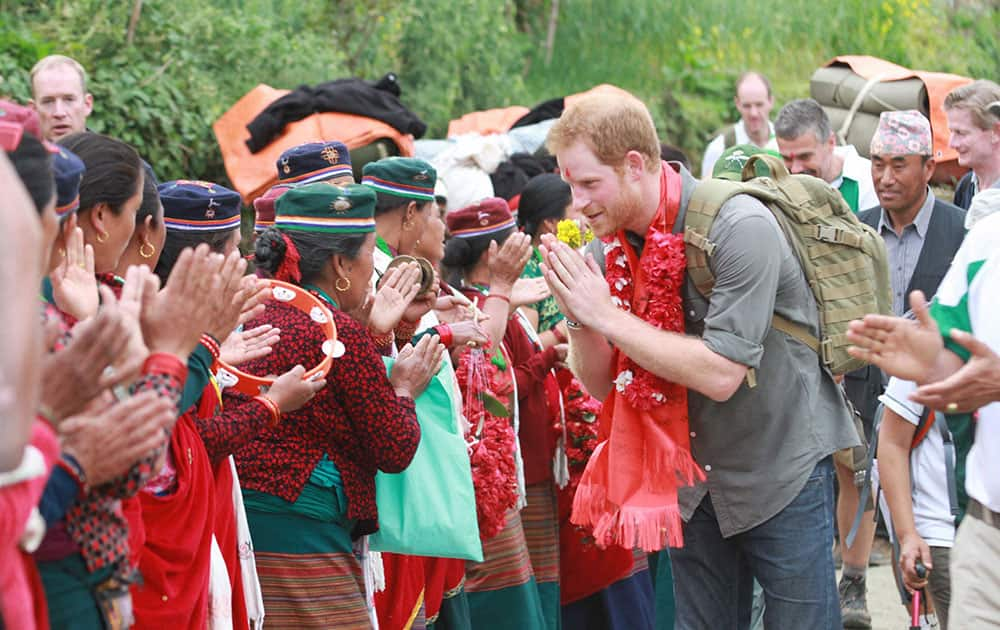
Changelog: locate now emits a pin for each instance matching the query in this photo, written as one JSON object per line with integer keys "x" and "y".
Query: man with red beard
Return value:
{"x": 676, "y": 371}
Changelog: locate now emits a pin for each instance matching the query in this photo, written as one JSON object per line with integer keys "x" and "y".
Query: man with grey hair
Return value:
{"x": 973, "y": 112}
{"x": 59, "y": 95}
{"x": 808, "y": 145}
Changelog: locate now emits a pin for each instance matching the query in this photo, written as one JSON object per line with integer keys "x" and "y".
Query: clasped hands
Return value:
{"x": 576, "y": 282}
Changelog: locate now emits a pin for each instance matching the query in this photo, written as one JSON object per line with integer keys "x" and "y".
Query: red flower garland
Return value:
{"x": 664, "y": 259}
{"x": 494, "y": 471}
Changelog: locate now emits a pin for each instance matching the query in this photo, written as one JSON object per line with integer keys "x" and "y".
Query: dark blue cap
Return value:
{"x": 68, "y": 170}
{"x": 199, "y": 206}
{"x": 314, "y": 162}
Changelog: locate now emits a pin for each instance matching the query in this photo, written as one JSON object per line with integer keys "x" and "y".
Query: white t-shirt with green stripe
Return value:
{"x": 967, "y": 299}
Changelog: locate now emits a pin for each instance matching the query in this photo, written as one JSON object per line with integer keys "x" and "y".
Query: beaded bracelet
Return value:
{"x": 381, "y": 341}
{"x": 405, "y": 329}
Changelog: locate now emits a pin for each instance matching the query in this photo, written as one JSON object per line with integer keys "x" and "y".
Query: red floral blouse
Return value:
{"x": 357, "y": 419}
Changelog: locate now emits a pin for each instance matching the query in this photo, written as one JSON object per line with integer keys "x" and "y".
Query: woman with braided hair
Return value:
{"x": 309, "y": 482}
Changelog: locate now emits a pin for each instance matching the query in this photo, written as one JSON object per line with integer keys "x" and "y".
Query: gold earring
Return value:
{"x": 408, "y": 225}
{"x": 142, "y": 250}
{"x": 101, "y": 237}
{"x": 336, "y": 285}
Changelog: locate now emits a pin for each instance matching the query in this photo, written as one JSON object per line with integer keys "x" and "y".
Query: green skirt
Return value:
{"x": 69, "y": 593}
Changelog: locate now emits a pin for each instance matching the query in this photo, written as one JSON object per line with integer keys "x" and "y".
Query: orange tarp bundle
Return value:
{"x": 486, "y": 122}
{"x": 500, "y": 120}
{"x": 938, "y": 85}
{"x": 253, "y": 173}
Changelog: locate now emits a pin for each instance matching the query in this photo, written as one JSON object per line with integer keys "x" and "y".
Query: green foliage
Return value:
{"x": 683, "y": 57}
{"x": 191, "y": 60}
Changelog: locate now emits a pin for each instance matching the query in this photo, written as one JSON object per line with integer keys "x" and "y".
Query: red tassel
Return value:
{"x": 288, "y": 270}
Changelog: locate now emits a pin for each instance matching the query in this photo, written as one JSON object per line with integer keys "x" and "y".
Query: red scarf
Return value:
{"x": 175, "y": 559}
{"x": 628, "y": 493}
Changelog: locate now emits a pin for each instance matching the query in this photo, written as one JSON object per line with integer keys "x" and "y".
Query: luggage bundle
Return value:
{"x": 855, "y": 90}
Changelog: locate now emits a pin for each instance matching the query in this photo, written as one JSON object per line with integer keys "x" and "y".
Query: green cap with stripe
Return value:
{"x": 409, "y": 178}
{"x": 322, "y": 207}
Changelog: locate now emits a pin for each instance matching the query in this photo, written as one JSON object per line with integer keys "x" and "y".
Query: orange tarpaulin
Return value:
{"x": 500, "y": 120}
{"x": 486, "y": 122}
{"x": 253, "y": 173}
{"x": 938, "y": 86}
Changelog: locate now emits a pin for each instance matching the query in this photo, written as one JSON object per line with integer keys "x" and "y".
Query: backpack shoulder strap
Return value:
{"x": 729, "y": 137}
{"x": 924, "y": 425}
{"x": 702, "y": 208}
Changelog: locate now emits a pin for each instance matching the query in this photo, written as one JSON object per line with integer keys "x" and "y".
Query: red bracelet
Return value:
{"x": 212, "y": 345}
{"x": 165, "y": 363}
{"x": 558, "y": 334}
{"x": 446, "y": 335}
{"x": 499, "y": 296}
{"x": 272, "y": 407}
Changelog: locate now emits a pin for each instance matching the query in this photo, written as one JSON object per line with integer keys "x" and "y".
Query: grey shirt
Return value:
{"x": 758, "y": 448}
{"x": 904, "y": 250}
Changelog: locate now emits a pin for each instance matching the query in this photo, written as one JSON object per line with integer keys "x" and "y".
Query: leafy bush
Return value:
{"x": 191, "y": 60}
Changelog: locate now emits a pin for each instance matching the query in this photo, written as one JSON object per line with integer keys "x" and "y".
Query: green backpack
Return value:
{"x": 843, "y": 259}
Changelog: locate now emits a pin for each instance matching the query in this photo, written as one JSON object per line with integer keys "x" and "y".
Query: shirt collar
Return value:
{"x": 742, "y": 137}
{"x": 920, "y": 222}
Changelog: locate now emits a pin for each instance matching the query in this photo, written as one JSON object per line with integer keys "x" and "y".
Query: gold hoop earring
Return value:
{"x": 101, "y": 237}
{"x": 142, "y": 250}
{"x": 336, "y": 285}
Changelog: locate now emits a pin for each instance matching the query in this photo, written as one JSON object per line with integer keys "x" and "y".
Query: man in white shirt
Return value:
{"x": 941, "y": 352}
{"x": 754, "y": 102}
{"x": 808, "y": 145}
{"x": 916, "y": 497}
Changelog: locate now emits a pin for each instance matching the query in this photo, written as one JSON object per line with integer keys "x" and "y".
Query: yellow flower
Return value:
{"x": 568, "y": 232}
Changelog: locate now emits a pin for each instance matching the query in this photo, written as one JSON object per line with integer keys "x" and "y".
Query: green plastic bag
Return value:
{"x": 429, "y": 509}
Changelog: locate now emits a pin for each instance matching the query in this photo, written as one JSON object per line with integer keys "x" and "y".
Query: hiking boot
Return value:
{"x": 853, "y": 603}
{"x": 881, "y": 553}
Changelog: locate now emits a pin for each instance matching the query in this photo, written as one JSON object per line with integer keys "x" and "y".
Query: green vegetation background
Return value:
{"x": 191, "y": 59}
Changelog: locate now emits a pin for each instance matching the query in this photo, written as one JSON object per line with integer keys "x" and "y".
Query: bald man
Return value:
{"x": 754, "y": 102}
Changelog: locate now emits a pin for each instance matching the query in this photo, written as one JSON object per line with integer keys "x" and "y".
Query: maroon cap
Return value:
{"x": 24, "y": 116}
{"x": 264, "y": 206}
{"x": 483, "y": 217}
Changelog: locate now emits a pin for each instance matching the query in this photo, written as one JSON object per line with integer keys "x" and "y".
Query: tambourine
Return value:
{"x": 251, "y": 385}
{"x": 426, "y": 270}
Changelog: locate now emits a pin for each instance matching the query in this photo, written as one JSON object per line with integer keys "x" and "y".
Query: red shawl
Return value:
{"x": 628, "y": 493}
{"x": 175, "y": 559}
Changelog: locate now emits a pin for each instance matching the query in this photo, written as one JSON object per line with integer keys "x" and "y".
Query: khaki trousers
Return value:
{"x": 975, "y": 576}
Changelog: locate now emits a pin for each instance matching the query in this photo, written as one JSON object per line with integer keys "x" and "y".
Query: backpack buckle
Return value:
{"x": 826, "y": 351}
{"x": 828, "y": 234}
{"x": 695, "y": 239}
